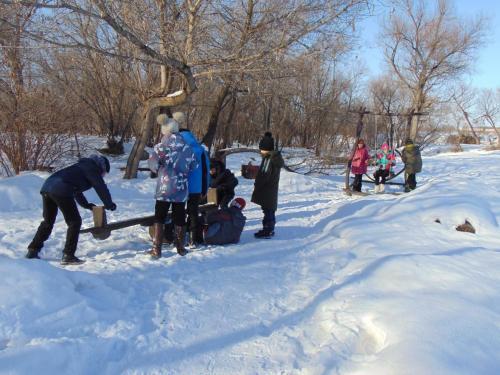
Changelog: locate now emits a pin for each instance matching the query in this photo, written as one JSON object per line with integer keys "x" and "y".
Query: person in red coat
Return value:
{"x": 359, "y": 164}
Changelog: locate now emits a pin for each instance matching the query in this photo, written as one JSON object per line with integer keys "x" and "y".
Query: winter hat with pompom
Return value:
{"x": 385, "y": 146}
{"x": 180, "y": 117}
{"x": 239, "y": 203}
{"x": 168, "y": 125}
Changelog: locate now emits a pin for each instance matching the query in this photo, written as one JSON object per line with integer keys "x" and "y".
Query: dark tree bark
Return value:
{"x": 209, "y": 136}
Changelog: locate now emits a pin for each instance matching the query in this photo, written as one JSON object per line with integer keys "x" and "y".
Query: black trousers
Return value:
{"x": 380, "y": 176}
{"x": 356, "y": 185}
{"x": 269, "y": 220}
{"x": 178, "y": 212}
{"x": 193, "y": 205}
{"x": 72, "y": 217}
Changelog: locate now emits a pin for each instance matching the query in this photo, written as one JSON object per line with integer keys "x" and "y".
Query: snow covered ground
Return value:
{"x": 349, "y": 285}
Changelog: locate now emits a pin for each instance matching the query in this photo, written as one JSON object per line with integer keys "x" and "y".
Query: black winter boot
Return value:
{"x": 264, "y": 233}
{"x": 32, "y": 253}
{"x": 259, "y": 233}
{"x": 70, "y": 260}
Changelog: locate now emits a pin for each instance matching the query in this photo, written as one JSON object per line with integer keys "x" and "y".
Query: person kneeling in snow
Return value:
{"x": 225, "y": 225}
{"x": 60, "y": 191}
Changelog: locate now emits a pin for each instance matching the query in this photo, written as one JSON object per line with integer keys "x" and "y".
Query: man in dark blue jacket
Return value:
{"x": 60, "y": 191}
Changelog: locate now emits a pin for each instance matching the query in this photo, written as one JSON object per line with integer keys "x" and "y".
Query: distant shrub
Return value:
{"x": 456, "y": 148}
{"x": 453, "y": 139}
{"x": 493, "y": 147}
{"x": 467, "y": 139}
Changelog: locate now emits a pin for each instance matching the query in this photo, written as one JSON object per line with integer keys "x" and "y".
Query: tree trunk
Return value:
{"x": 228, "y": 141}
{"x": 416, "y": 111}
{"x": 140, "y": 143}
{"x": 151, "y": 108}
{"x": 209, "y": 136}
{"x": 492, "y": 123}
{"x": 414, "y": 127}
{"x": 466, "y": 116}
{"x": 409, "y": 125}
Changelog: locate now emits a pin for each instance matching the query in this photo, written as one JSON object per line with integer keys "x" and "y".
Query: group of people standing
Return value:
{"x": 385, "y": 161}
{"x": 184, "y": 173}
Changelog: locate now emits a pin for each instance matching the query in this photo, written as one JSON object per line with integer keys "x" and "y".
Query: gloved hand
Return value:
{"x": 112, "y": 207}
{"x": 90, "y": 206}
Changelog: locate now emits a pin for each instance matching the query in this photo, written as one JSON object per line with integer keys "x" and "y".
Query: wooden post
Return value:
{"x": 212, "y": 196}
{"x": 99, "y": 216}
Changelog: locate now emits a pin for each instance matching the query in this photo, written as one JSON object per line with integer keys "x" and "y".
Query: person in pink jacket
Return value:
{"x": 359, "y": 164}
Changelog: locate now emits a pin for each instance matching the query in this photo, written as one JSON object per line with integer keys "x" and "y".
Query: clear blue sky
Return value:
{"x": 487, "y": 66}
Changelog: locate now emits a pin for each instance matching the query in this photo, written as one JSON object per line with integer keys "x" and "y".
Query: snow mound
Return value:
{"x": 20, "y": 192}
{"x": 294, "y": 183}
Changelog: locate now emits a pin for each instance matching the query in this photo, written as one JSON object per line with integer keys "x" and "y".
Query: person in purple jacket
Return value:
{"x": 61, "y": 191}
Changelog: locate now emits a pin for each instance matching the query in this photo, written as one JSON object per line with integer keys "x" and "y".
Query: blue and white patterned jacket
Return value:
{"x": 172, "y": 160}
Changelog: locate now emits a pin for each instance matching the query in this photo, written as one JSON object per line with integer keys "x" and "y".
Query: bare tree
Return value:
{"x": 489, "y": 107}
{"x": 427, "y": 46}
{"x": 193, "y": 41}
{"x": 464, "y": 98}
{"x": 102, "y": 88}
{"x": 390, "y": 100}
{"x": 32, "y": 121}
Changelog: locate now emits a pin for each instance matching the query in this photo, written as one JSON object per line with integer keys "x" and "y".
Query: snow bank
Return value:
{"x": 21, "y": 192}
{"x": 349, "y": 285}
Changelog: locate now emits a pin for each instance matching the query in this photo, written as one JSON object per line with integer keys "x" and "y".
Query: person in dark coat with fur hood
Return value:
{"x": 61, "y": 191}
{"x": 224, "y": 181}
{"x": 265, "y": 192}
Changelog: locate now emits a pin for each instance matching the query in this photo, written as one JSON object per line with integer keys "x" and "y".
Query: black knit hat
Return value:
{"x": 409, "y": 141}
{"x": 267, "y": 142}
